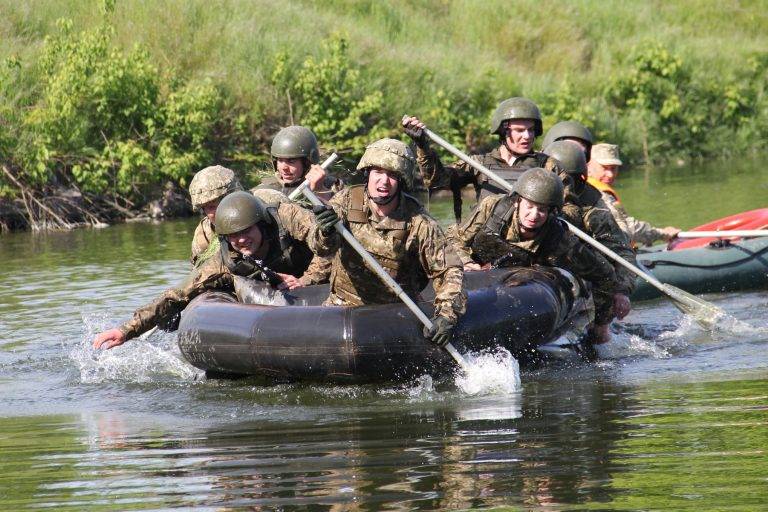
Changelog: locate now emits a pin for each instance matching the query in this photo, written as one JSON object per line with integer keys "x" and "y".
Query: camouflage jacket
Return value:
{"x": 460, "y": 173}
{"x": 409, "y": 244}
{"x": 204, "y": 235}
{"x": 594, "y": 217}
{"x": 492, "y": 235}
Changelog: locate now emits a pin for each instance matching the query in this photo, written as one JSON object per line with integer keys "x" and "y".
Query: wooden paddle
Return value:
{"x": 391, "y": 283}
{"x": 705, "y": 313}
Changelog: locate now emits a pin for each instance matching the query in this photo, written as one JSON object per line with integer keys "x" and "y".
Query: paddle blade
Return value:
{"x": 704, "y": 313}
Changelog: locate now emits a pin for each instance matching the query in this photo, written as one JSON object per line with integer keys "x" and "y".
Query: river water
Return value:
{"x": 671, "y": 418}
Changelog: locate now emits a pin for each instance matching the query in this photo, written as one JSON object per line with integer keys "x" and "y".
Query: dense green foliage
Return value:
{"x": 119, "y": 97}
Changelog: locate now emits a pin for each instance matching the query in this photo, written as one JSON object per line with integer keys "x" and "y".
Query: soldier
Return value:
{"x": 596, "y": 220}
{"x": 572, "y": 131}
{"x": 295, "y": 157}
{"x": 517, "y": 123}
{"x": 267, "y": 244}
{"x": 603, "y": 168}
{"x": 206, "y": 190}
{"x": 398, "y": 232}
{"x": 522, "y": 229}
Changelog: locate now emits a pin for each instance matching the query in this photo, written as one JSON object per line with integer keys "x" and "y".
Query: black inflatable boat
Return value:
{"x": 290, "y": 336}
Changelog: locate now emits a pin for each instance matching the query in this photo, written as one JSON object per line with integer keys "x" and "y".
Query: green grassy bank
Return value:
{"x": 129, "y": 94}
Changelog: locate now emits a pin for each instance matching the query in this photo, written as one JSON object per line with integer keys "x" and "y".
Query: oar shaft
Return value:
{"x": 723, "y": 234}
{"x": 384, "y": 276}
{"x": 300, "y": 189}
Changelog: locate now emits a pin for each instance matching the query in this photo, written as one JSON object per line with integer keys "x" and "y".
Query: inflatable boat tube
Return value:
{"x": 295, "y": 338}
{"x": 721, "y": 266}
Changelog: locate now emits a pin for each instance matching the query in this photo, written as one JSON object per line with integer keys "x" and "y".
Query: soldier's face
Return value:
{"x": 209, "y": 209}
{"x": 520, "y": 134}
{"x": 381, "y": 183}
{"x": 247, "y": 242}
{"x": 604, "y": 173}
{"x": 532, "y": 215}
{"x": 290, "y": 169}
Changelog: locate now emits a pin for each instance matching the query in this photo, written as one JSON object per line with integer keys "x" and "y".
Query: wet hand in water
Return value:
{"x": 109, "y": 339}
{"x": 621, "y": 305}
{"x": 289, "y": 282}
{"x": 413, "y": 128}
{"x": 599, "y": 334}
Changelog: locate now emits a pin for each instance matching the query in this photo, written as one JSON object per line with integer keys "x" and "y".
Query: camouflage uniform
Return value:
{"x": 204, "y": 236}
{"x": 408, "y": 243}
{"x": 596, "y": 220}
{"x": 638, "y": 231}
{"x": 288, "y": 253}
{"x": 492, "y": 235}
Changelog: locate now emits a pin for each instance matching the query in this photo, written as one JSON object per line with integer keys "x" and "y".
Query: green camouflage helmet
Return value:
{"x": 239, "y": 211}
{"x": 568, "y": 130}
{"x": 295, "y": 142}
{"x": 516, "y": 108}
{"x": 570, "y": 155}
{"x": 212, "y": 183}
{"x": 391, "y": 155}
{"x": 540, "y": 186}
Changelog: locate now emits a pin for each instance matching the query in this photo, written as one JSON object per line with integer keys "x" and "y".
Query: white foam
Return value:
{"x": 490, "y": 372}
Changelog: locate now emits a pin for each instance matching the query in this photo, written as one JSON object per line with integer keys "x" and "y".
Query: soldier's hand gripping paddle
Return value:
{"x": 325, "y": 165}
{"x": 391, "y": 283}
{"x": 706, "y": 314}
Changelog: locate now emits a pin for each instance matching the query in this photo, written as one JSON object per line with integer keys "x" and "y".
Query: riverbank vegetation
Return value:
{"x": 108, "y": 105}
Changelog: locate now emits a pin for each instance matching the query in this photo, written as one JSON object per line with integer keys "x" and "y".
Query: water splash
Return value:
{"x": 490, "y": 372}
{"x": 153, "y": 360}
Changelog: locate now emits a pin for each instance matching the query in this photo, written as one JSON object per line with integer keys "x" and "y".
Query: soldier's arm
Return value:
{"x": 443, "y": 267}
{"x": 642, "y": 232}
{"x": 593, "y": 267}
{"x": 462, "y": 236}
{"x": 327, "y": 245}
{"x": 210, "y": 276}
{"x": 299, "y": 224}
{"x": 602, "y": 226}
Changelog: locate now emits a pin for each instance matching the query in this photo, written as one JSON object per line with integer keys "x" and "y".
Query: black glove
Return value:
{"x": 326, "y": 218}
{"x": 441, "y": 331}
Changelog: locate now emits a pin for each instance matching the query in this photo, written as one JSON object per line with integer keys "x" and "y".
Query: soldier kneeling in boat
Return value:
{"x": 594, "y": 217}
{"x": 399, "y": 234}
{"x": 267, "y": 244}
{"x": 522, "y": 229}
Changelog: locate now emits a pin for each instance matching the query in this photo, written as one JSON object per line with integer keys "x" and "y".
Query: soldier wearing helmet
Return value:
{"x": 572, "y": 131}
{"x": 522, "y": 229}
{"x": 206, "y": 189}
{"x": 517, "y": 123}
{"x": 595, "y": 218}
{"x": 295, "y": 157}
{"x": 398, "y": 232}
{"x": 256, "y": 242}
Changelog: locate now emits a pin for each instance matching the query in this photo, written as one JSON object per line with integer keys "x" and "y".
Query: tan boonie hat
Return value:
{"x": 606, "y": 154}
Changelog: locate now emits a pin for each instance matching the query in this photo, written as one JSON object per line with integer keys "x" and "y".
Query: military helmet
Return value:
{"x": 295, "y": 142}
{"x": 238, "y": 211}
{"x": 516, "y": 108}
{"x": 568, "y": 130}
{"x": 391, "y": 155}
{"x": 570, "y": 155}
{"x": 212, "y": 183}
{"x": 540, "y": 186}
